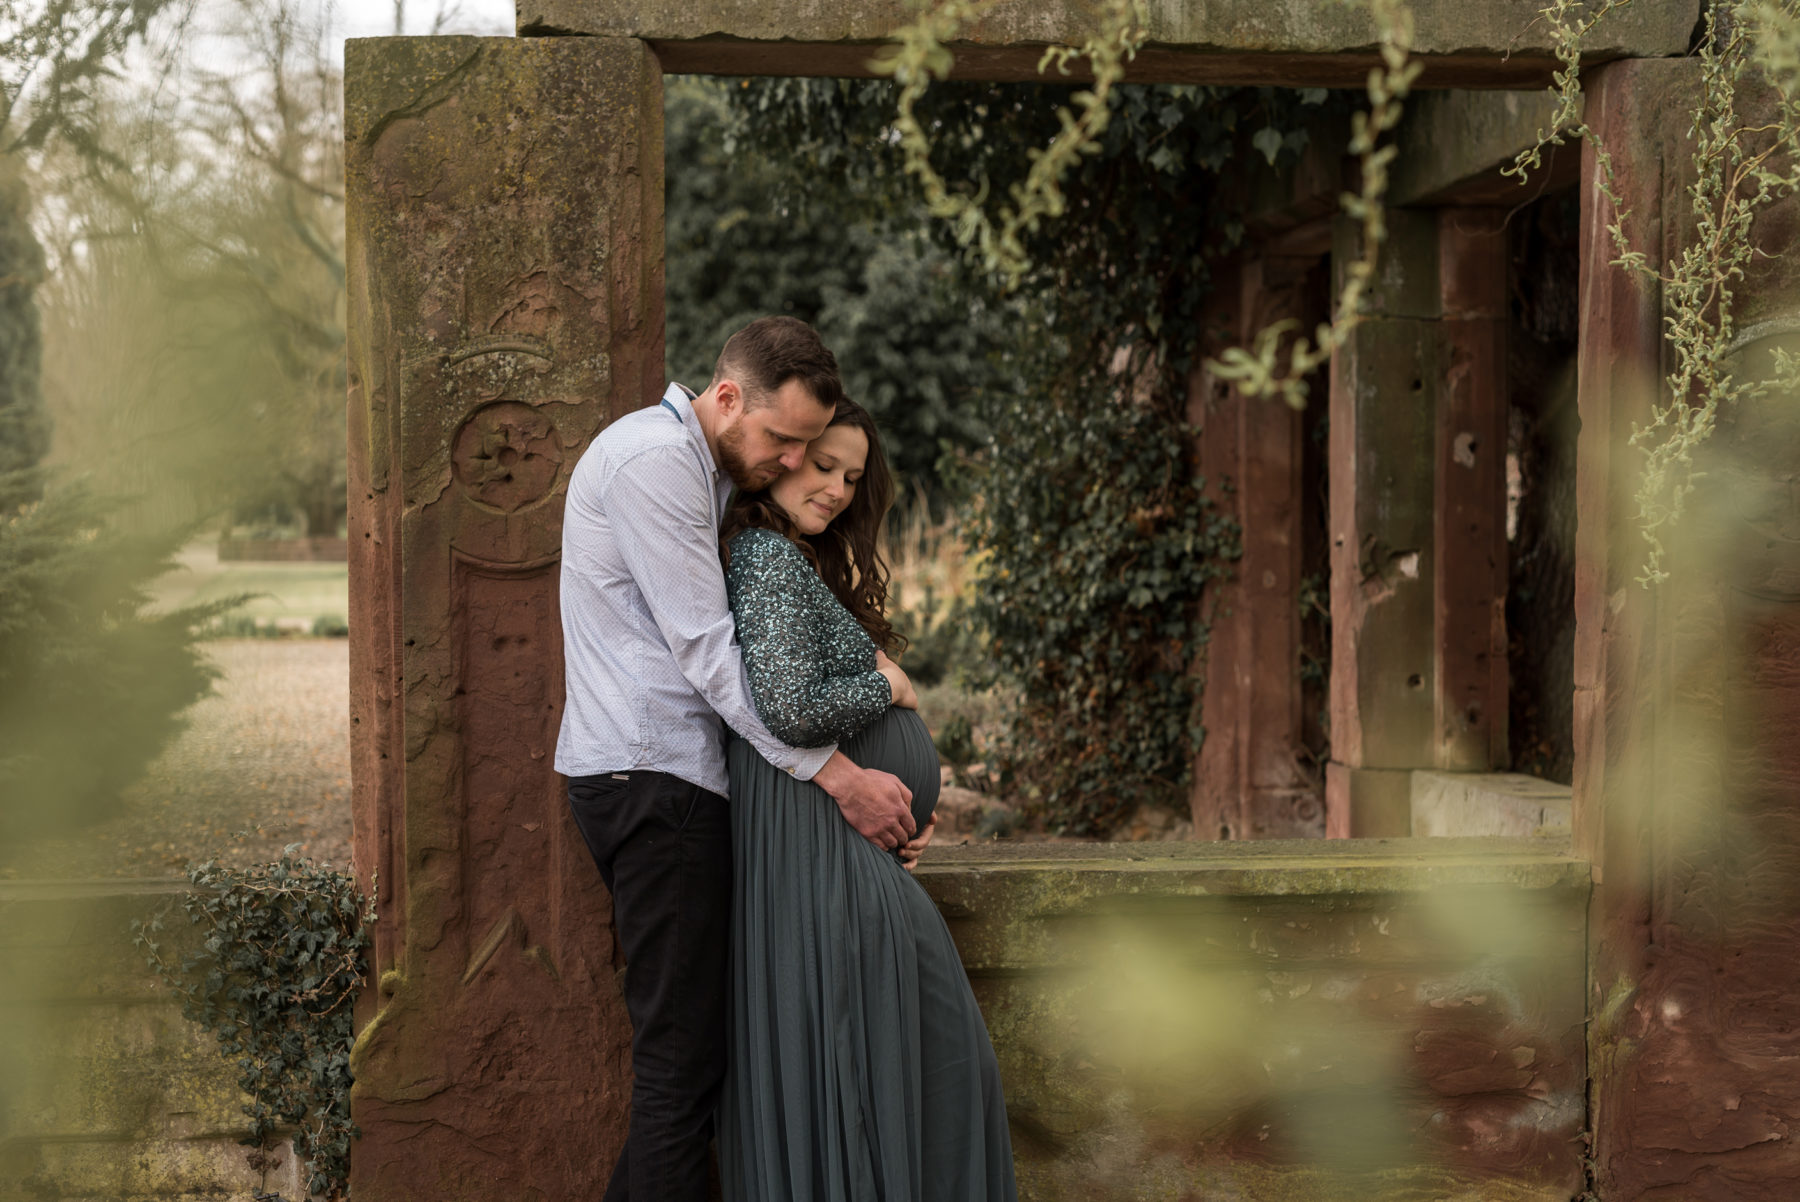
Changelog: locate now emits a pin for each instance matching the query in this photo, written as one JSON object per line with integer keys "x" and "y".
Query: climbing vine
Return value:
{"x": 1258, "y": 372}
{"x": 281, "y": 955}
{"x": 1741, "y": 165}
{"x": 1096, "y": 535}
{"x": 918, "y": 55}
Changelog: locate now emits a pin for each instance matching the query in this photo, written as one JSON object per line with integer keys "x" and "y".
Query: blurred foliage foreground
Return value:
{"x": 1048, "y": 408}
{"x": 171, "y": 351}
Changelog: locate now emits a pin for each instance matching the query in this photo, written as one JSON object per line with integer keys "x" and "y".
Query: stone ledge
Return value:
{"x": 1253, "y": 1019}
{"x": 28, "y": 890}
{"x": 1490, "y": 804}
{"x": 1273, "y": 867}
{"x": 106, "y": 1091}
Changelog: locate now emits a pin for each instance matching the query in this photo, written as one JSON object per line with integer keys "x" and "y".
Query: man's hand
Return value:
{"x": 905, "y": 696}
{"x": 877, "y": 804}
{"x": 909, "y": 851}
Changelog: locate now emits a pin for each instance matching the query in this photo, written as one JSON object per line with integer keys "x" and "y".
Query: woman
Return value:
{"x": 860, "y": 1067}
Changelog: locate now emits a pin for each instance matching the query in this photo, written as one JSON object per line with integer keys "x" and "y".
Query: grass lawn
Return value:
{"x": 285, "y": 590}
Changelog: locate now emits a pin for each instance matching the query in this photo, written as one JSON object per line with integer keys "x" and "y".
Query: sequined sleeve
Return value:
{"x": 811, "y": 667}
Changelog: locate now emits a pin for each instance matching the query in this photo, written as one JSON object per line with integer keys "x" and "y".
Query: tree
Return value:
{"x": 216, "y": 258}
{"x": 1097, "y": 537}
{"x": 24, "y": 427}
{"x": 91, "y": 685}
{"x": 762, "y": 220}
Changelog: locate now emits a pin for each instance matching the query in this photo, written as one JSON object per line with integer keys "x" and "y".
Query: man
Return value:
{"x": 652, "y": 666}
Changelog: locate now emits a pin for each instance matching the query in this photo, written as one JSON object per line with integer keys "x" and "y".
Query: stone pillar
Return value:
{"x": 1469, "y": 577}
{"x": 1248, "y": 782}
{"x": 504, "y": 202}
{"x": 1687, "y": 699}
{"x": 1384, "y": 385}
{"x": 1418, "y": 518}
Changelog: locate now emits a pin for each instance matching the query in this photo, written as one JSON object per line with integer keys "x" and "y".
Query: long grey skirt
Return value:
{"x": 860, "y": 1067}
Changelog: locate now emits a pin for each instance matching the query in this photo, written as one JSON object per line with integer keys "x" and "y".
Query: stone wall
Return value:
{"x": 1260, "y": 1020}
{"x": 1282, "y": 1019}
{"x": 285, "y": 550}
{"x": 106, "y": 1093}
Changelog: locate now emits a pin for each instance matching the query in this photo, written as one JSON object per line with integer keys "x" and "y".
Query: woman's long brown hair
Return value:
{"x": 847, "y": 553}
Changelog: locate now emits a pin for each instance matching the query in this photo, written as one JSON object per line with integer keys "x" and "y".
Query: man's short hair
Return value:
{"x": 769, "y": 352}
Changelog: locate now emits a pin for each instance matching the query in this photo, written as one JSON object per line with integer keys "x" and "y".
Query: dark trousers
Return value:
{"x": 663, "y": 847}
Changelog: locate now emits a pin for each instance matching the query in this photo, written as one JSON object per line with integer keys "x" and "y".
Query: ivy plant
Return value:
{"x": 282, "y": 952}
{"x": 1749, "y": 57}
{"x": 1080, "y": 495}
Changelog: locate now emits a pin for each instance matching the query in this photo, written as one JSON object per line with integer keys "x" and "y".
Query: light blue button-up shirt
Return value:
{"x": 650, "y": 654}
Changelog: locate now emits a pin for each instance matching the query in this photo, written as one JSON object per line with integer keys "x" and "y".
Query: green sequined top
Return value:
{"x": 811, "y": 664}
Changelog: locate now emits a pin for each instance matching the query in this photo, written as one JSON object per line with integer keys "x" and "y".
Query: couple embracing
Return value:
{"x": 749, "y": 771}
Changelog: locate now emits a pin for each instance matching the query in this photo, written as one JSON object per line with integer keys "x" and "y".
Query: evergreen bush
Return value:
{"x": 91, "y": 681}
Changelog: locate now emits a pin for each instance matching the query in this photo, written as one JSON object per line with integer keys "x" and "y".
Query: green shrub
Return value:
{"x": 92, "y": 682}
{"x": 1102, "y": 543}
{"x": 274, "y": 979}
{"x": 955, "y": 740}
{"x": 330, "y": 626}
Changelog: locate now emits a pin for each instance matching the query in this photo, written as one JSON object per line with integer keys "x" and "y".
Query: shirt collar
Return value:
{"x": 680, "y": 399}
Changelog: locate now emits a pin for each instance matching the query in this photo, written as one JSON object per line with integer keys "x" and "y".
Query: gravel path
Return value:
{"x": 268, "y": 756}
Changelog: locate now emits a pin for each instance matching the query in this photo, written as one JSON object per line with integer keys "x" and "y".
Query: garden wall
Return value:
{"x": 106, "y": 1093}
{"x": 284, "y": 550}
{"x": 1270, "y": 1019}
{"x": 1282, "y": 1019}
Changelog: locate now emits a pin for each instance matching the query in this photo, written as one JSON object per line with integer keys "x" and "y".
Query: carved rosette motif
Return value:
{"x": 507, "y": 456}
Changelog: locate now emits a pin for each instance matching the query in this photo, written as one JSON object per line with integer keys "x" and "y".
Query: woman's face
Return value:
{"x": 822, "y": 486}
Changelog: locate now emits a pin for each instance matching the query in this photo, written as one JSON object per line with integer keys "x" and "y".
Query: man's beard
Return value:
{"x": 748, "y": 478}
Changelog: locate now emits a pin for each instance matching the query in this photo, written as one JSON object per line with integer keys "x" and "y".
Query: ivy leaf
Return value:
{"x": 1268, "y": 140}
{"x": 1313, "y": 95}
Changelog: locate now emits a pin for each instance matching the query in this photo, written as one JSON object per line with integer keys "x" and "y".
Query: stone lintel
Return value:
{"x": 1453, "y": 144}
{"x": 1302, "y": 43}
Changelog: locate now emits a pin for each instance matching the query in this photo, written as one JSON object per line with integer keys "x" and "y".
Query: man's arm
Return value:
{"x": 658, "y": 504}
{"x": 659, "y": 507}
{"x": 878, "y": 804}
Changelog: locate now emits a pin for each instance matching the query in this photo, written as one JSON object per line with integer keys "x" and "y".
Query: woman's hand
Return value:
{"x": 905, "y": 696}
{"x": 909, "y": 851}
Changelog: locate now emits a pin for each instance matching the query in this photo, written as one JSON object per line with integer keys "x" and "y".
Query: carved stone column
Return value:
{"x": 1687, "y": 698}
{"x": 1248, "y": 781}
{"x": 504, "y": 202}
{"x": 1384, "y": 389}
{"x": 1469, "y": 701}
{"x": 1418, "y": 518}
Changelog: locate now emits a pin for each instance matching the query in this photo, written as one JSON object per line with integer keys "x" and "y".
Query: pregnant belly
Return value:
{"x": 898, "y": 742}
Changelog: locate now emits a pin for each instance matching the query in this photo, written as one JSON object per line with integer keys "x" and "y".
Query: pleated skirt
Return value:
{"x": 860, "y": 1067}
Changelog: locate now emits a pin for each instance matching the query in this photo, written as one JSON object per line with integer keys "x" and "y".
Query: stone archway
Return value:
{"x": 505, "y": 247}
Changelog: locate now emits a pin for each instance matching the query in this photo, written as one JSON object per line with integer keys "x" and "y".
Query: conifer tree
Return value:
{"x": 92, "y": 683}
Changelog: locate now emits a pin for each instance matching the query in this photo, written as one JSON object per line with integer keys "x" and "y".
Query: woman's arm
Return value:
{"x": 782, "y": 609}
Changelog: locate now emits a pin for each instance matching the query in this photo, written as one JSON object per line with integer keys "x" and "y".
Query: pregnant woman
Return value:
{"x": 860, "y": 1068}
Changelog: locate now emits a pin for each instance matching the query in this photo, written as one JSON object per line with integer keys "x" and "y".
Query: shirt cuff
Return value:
{"x": 806, "y": 764}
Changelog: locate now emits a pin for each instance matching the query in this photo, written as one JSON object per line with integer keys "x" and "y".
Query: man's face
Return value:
{"x": 757, "y": 445}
